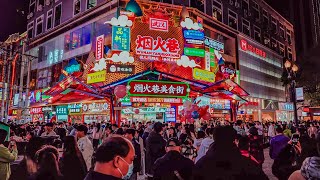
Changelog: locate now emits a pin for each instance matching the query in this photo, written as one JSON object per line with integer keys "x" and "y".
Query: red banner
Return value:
{"x": 36, "y": 110}
{"x": 158, "y": 88}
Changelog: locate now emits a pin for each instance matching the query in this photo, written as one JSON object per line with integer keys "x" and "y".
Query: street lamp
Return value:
{"x": 292, "y": 69}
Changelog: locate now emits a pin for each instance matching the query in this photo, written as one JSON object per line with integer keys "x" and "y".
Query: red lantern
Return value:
{"x": 120, "y": 91}
{"x": 136, "y": 111}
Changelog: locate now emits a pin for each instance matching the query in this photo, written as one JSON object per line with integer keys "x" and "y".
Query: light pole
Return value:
{"x": 292, "y": 69}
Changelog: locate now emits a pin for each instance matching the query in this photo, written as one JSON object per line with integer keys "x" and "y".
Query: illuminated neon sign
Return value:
{"x": 159, "y": 24}
{"x": 245, "y": 46}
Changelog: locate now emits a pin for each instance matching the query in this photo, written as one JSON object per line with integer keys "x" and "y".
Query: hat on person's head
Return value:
{"x": 49, "y": 124}
{"x": 82, "y": 128}
{"x": 173, "y": 142}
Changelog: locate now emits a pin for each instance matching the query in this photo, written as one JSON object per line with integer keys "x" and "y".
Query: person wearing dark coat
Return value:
{"x": 130, "y": 134}
{"x": 173, "y": 165}
{"x": 72, "y": 164}
{"x": 224, "y": 160}
{"x": 155, "y": 147}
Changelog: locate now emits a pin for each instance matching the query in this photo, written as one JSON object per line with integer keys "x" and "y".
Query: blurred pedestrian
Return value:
{"x": 85, "y": 145}
{"x": 7, "y": 155}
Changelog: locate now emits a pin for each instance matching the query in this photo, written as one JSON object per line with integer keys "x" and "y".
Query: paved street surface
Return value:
{"x": 267, "y": 165}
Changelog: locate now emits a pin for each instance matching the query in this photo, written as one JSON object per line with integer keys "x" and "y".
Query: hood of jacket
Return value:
{"x": 310, "y": 168}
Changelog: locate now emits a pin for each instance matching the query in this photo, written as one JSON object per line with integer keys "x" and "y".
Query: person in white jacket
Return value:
{"x": 205, "y": 144}
{"x": 85, "y": 145}
{"x": 271, "y": 130}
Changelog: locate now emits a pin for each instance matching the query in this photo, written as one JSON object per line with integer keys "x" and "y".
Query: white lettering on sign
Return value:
{"x": 145, "y": 88}
{"x": 158, "y": 24}
{"x": 99, "y": 47}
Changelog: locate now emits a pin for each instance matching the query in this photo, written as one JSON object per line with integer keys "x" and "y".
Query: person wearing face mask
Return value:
{"x": 114, "y": 160}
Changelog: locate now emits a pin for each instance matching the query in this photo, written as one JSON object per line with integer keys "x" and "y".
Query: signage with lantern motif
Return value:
{"x": 158, "y": 88}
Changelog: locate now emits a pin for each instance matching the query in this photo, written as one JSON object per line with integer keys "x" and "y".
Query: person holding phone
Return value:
{"x": 7, "y": 155}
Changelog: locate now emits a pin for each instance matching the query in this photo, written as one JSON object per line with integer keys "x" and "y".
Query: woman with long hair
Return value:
{"x": 72, "y": 164}
{"x": 47, "y": 159}
{"x": 96, "y": 136}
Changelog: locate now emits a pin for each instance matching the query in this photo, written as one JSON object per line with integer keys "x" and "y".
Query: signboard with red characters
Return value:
{"x": 155, "y": 100}
{"x": 158, "y": 88}
{"x": 157, "y": 49}
{"x": 158, "y": 24}
{"x": 36, "y": 110}
{"x": 245, "y": 46}
{"x": 99, "y": 47}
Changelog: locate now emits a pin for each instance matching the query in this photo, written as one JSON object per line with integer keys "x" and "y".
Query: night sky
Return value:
{"x": 12, "y": 21}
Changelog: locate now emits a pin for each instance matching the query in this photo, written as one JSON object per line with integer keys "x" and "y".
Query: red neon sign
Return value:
{"x": 158, "y": 24}
{"x": 158, "y": 88}
{"x": 99, "y": 47}
{"x": 248, "y": 47}
{"x": 36, "y": 110}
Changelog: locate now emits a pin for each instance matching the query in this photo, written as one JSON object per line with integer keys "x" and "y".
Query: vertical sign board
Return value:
{"x": 120, "y": 38}
{"x": 299, "y": 94}
{"x": 99, "y": 47}
{"x": 170, "y": 114}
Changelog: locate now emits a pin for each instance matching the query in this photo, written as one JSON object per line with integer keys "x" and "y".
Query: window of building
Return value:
{"x": 281, "y": 49}
{"x": 281, "y": 31}
{"x": 49, "y": 19}
{"x": 289, "y": 36}
{"x": 30, "y": 29}
{"x": 246, "y": 27}
{"x": 40, "y": 3}
{"x": 57, "y": 14}
{"x": 32, "y": 6}
{"x": 76, "y": 38}
{"x": 266, "y": 40}
{"x": 217, "y": 10}
{"x": 232, "y": 19}
{"x": 86, "y": 35}
{"x": 289, "y": 53}
{"x": 273, "y": 24}
{"x": 39, "y": 25}
{"x": 265, "y": 17}
{"x": 256, "y": 10}
{"x": 198, "y": 5}
{"x": 76, "y": 7}
{"x": 91, "y": 3}
{"x": 67, "y": 42}
{"x": 274, "y": 44}
{"x": 245, "y": 8}
{"x": 257, "y": 33}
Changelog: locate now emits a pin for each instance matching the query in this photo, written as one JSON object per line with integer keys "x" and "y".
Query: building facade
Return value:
{"x": 62, "y": 31}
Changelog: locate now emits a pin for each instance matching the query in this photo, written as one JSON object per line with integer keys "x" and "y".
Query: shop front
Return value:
{"x": 36, "y": 114}
{"x": 157, "y": 64}
{"x": 286, "y": 112}
{"x": 96, "y": 112}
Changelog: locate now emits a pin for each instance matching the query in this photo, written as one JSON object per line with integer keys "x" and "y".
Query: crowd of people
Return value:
{"x": 215, "y": 150}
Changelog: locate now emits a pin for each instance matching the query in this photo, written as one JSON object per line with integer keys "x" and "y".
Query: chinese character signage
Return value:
{"x": 36, "y": 110}
{"x": 220, "y": 104}
{"x": 120, "y": 68}
{"x": 74, "y": 110}
{"x": 245, "y": 46}
{"x": 193, "y": 34}
{"x": 145, "y": 110}
{"x": 99, "y": 47}
{"x": 170, "y": 114}
{"x": 158, "y": 88}
{"x": 203, "y": 75}
{"x": 158, "y": 24}
{"x": 62, "y": 110}
{"x": 155, "y": 100}
{"x": 161, "y": 49}
{"x": 194, "y": 52}
{"x": 96, "y": 77}
{"x": 216, "y": 45}
{"x": 120, "y": 38}
{"x": 95, "y": 107}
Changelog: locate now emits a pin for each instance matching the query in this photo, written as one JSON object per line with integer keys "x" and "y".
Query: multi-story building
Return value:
{"x": 63, "y": 30}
